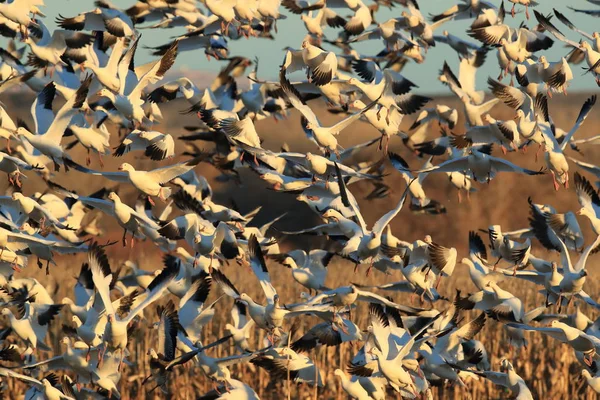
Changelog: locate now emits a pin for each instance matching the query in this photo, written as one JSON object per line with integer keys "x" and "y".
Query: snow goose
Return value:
{"x": 447, "y": 349}
{"x": 314, "y": 25}
{"x": 43, "y": 249}
{"x": 492, "y": 299}
{"x": 555, "y": 75}
{"x": 388, "y": 88}
{"x": 414, "y": 22}
{"x": 464, "y": 10}
{"x": 115, "y": 333}
{"x": 194, "y": 312}
{"x": 322, "y": 167}
{"x": 32, "y": 326}
{"x": 92, "y": 137}
{"x": 554, "y": 152}
{"x": 73, "y": 358}
{"x": 283, "y": 360}
{"x": 442, "y": 113}
{"x": 591, "y": 56}
{"x": 47, "y": 387}
{"x": 148, "y": 182}
{"x": 393, "y": 38}
{"x": 274, "y": 314}
{"x": 509, "y": 379}
{"x": 388, "y": 127}
{"x": 49, "y": 49}
{"x": 510, "y": 250}
{"x": 441, "y": 260}
{"x": 308, "y": 269}
{"x": 322, "y": 65}
{"x": 587, "y": 345}
{"x": 345, "y": 296}
{"x": 19, "y": 11}
{"x": 352, "y": 385}
{"x": 128, "y": 218}
{"x": 241, "y": 327}
{"x": 589, "y": 200}
{"x": 545, "y": 222}
{"x": 234, "y": 390}
{"x": 163, "y": 362}
{"x": 325, "y": 137}
{"x": 519, "y": 44}
{"x": 391, "y": 352}
{"x": 574, "y": 276}
{"x": 576, "y": 56}
{"x": 333, "y": 333}
{"x": 482, "y": 166}
{"x": 12, "y": 166}
{"x": 107, "y": 74}
{"x": 419, "y": 199}
{"x": 462, "y": 47}
{"x": 479, "y": 271}
{"x": 156, "y": 145}
{"x": 526, "y": 3}
{"x": 47, "y": 141}
{"x": 225, "y": 10}
{"x": 129, "y": 102}
{"x": 463, "y": 86}
{"x": 29, "y": 208}
{"x": 363, "y": 244}
{"x": 103, "y": 19}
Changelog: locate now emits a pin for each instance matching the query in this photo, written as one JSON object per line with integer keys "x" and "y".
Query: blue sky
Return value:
{"x": 291, "y": 32}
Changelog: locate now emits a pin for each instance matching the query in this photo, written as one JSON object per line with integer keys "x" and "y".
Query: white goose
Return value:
{"x": 156, "y": 145}
{"x": 51, "y": 128}
{"x": 325, "y": 137}
{"x": 148, "y": 182}
{"x": 129, "y": 103}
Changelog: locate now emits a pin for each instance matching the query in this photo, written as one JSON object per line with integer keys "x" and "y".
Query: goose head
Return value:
{"x": 112, "y": 196}
{"x": 585, "y": 213}
{"x": 353, "y": 81}
{"x": 271, "y": 178}
{"x": 21, "y": 131}
{"x": 126, "y": 167}
{"x": 16, "y": 196}
{"x": 47, "y": 384}
{"x": 305, "y": 44}
{"x": 67, "y": 301}
{"x": 340, "y": 373}
{"x": 26, "y": 228}
{"x": 6, "y": 311}
{"x": 356, "y": 104}
{"x": 143, "y": 134}
{"x": 332, "y": 214}
{"x": 245, "y": 298}
{"x": 152, "y": 353}
{"x": 105, "y": 93}
{"x": 468, "y": 262}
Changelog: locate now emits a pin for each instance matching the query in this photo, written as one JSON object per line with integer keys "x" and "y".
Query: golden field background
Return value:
{"x": 548, "y": 367}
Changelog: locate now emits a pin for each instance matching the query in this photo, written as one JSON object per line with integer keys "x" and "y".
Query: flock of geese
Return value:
{"x": 85, "y": 78}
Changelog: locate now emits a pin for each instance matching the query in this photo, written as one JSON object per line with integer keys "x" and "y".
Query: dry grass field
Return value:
{"x": 549, "y": 368}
